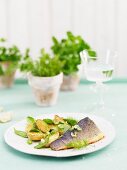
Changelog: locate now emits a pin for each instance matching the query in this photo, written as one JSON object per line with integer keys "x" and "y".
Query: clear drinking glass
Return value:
{"x": 99, "y": 69}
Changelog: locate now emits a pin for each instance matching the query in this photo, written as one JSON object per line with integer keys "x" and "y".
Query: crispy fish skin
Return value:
{"x": 89, "y": 132}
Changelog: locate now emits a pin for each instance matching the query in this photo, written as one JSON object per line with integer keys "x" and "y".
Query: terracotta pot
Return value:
{"x": 6, "y": 81}
{"x": 70, "y": 82}
{"x": 45, "y": 89}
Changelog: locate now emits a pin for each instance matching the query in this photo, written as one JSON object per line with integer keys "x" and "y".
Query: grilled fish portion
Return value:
{"x": 89, "y": 131}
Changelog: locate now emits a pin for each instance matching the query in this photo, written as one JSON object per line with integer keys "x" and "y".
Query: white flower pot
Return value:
{"x": 70, "y": 82}
{"x": 6, "y": 81}
{"x": 45, "y": 89}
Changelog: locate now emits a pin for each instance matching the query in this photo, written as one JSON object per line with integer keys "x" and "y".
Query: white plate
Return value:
{"x": 20, "y": 144}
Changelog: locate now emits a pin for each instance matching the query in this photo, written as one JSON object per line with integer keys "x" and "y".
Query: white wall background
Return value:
{"x": 31, "y": 23}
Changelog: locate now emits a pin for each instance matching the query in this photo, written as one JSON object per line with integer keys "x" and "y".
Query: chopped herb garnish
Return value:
{"x": 74, "y": 134}
{"x": 76, "y": 127}
{"x": 78, "y": 144}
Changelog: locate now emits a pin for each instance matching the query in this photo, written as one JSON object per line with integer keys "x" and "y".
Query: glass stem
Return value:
{"x": 100, "y": 94}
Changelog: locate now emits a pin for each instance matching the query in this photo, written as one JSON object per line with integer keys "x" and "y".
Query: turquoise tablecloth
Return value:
{"x": 20, "y": 100}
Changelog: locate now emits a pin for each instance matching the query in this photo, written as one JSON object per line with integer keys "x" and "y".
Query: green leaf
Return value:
{"x": 30, "y": 120}
{"x": 34, "y": 130}
{"x": 1, "y": 71}
{"x": 54, "y": 40}
{"x": 20, "y": 133}
{"x": 92, "y": 54}
{"x": 70, "y": 35}
{"x": 48, "y": 121}
{"x": 71, "y": 121}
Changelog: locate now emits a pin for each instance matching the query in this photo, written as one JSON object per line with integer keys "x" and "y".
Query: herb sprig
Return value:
{"x": 68, "y": 51}
{"x": 9, "y": 58}
{"x": 44, "y": 66}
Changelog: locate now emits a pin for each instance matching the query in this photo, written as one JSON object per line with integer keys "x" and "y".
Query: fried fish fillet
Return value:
{"x": 89, "y": 132}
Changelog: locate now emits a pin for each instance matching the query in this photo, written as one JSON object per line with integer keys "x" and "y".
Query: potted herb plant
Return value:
{"x": 9, "y": 59}
{"x": 44, "y": 77}
{"x": 68, "y": 51}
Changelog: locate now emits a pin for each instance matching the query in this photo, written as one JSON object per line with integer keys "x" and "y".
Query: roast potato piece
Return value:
{"x": 43, "y": 126}
{"x": 35, "y": 136}
{"x": 29, "y": 127}
{"x": 58, "y": 119}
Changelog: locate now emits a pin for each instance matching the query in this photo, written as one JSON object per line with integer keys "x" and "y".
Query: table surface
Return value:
{"x": 20, "y": 100}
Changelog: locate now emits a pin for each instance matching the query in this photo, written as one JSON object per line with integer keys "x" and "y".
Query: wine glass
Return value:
{"x": 98, "y": 69}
